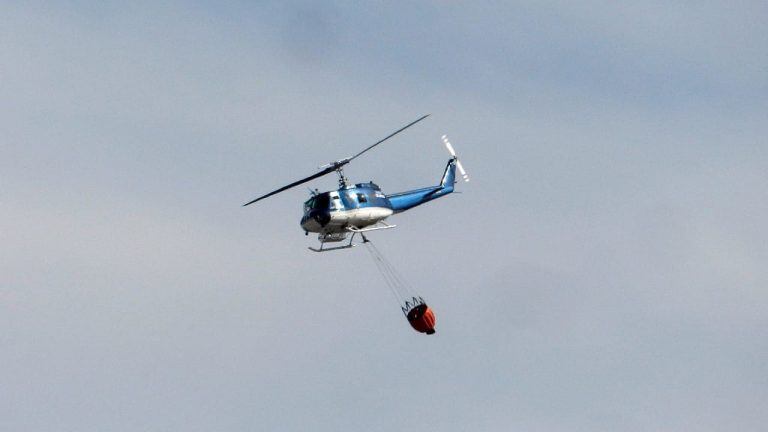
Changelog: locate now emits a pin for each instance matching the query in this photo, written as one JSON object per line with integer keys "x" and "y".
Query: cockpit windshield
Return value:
{"x": 320, "y": 202}
{"x": 309, "y": 203}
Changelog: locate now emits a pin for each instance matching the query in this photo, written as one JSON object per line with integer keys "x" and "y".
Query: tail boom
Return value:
{"x": 406, "y": 200}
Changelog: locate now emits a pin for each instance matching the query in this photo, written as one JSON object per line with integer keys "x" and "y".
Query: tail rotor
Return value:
{"x": 458, "y": 162}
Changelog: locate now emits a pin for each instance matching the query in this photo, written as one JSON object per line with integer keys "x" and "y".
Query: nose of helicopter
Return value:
{"x": 310, "y": 224}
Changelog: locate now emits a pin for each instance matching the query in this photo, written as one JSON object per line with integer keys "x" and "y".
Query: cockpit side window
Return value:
{"x": 361, "y": 198}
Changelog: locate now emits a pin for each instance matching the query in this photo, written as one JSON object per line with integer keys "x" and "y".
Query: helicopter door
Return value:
{"x": 336, "y": 203}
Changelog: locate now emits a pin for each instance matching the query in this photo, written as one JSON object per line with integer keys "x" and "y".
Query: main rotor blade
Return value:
{"x": 390, "y": 136}
{"x": 335, "y": 165}
{"x": 296, "y": 183}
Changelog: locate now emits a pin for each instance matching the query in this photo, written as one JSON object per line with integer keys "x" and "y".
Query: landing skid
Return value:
{"x": 379, "y": 226}
{"x": 347, "y": 246}
{"x": 354, "y": 231}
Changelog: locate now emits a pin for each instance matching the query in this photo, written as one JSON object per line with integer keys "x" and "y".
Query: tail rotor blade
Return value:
{"x": 461, "y": 170}
{"x": 449, "y": 146}
{"x": 458, "y": 162}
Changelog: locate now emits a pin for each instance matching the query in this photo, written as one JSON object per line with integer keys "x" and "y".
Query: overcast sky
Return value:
{"x": 604, "y": 270}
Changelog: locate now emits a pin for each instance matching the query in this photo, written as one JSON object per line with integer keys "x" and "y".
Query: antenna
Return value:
{"x": 453, "y": 153}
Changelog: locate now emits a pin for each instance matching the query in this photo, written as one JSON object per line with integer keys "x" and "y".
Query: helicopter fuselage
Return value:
{"x": 333, "y": 214}
{"x": 356, "y": 206}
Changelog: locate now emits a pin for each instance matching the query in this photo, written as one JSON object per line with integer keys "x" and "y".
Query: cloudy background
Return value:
{"x": 604, "y": 270}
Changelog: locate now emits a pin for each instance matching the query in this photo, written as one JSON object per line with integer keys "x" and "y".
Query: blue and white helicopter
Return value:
{"x": 363, "y": 207}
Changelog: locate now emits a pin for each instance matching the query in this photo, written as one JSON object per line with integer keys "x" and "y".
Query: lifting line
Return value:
{"x": 402, "y": 290}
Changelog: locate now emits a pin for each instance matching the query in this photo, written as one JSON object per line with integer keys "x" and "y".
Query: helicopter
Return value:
{"x": 362, "y": 207}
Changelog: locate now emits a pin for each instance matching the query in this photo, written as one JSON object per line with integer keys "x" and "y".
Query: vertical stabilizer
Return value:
{"x": 449, "y": 176}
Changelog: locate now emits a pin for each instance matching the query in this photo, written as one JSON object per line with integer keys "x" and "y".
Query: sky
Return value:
{"x": 604, "y": 269}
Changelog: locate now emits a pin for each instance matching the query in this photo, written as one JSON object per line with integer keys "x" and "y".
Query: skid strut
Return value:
{"x": 379, "y": 226}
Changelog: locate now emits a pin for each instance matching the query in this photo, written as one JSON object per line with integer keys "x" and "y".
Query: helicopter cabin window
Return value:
{"x": 361, "y": 198}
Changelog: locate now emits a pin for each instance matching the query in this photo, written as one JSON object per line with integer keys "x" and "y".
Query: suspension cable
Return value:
{"x": 382, "y": 265}
{"x": 404, "y": 287}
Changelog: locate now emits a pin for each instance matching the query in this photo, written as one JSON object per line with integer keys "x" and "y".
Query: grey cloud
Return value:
{"x": 602, "y": 271}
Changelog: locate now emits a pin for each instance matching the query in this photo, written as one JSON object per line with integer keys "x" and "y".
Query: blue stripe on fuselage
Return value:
{"x": 403, "y": 201}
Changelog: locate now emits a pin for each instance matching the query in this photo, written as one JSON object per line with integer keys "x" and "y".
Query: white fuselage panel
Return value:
{"x": 355, "y": 218}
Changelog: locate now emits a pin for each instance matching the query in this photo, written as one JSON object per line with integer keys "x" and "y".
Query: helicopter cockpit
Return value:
{"x": 318, "y": 202}
{"x": 324, "y": 202}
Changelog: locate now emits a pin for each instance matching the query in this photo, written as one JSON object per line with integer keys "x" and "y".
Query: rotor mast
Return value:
{"x": 343, "y": 181}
